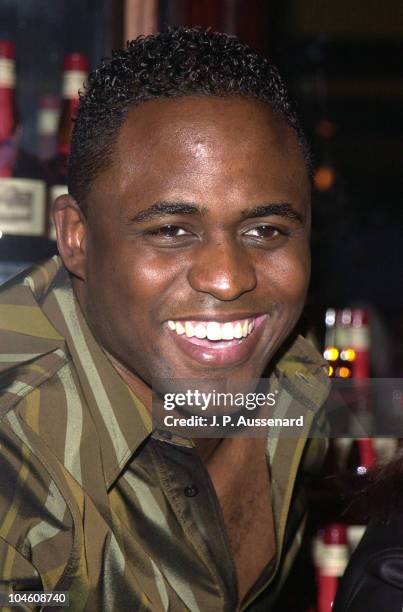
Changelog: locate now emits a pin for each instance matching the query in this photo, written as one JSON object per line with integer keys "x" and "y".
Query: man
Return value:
{"x": 188, "y": 205}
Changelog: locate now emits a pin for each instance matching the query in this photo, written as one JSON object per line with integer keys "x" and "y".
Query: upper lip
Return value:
{"x": 219, "y": 318}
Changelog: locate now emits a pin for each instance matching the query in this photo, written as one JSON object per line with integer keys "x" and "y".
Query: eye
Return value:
{"x": 167, "y": 231}
{"x": 265, "y": 231}
{"x": 169, "y": 236}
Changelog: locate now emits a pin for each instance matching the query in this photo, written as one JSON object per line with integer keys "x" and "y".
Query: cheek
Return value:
{"x": 135, "y": 284}
{"x": 297, "y": 270}
{"x": 287, "y": 276}
{"x": 153, "y": 277}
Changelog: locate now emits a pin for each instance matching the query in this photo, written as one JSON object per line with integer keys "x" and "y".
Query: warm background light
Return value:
{"x": 343, "y": 372}
{"x": 324, "y": 178}
{"x": 331, "y": 353}
{"x": 347, "y": 354}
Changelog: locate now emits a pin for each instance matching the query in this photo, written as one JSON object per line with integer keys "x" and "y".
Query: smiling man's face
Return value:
{"x": 195, "y": 260}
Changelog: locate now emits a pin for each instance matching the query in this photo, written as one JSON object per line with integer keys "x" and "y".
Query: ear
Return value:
{"x": 70, "y": 225}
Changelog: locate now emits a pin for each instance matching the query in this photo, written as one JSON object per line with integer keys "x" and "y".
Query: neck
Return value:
{"x": 138, "y": 386}
{"x": 206, "y": 447}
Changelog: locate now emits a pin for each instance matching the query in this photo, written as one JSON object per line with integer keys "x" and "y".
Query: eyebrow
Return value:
{"x": 282, "y": 209}
{"x": 165, "y": 209}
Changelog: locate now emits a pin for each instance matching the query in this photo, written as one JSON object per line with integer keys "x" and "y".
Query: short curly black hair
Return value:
{"x": 178, "y": 62}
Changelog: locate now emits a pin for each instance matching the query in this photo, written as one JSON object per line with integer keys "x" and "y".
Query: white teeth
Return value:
{"x": 227, "y": 332}
{"x": 179, "y": 328}
{"x": 200, "y": 331}
{"x": 238, "y": 330}
{"x": 189, "y": 329}
{"x": 213, "y": 331}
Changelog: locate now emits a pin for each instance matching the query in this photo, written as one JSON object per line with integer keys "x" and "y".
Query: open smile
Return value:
{"x": 216, "y": 343}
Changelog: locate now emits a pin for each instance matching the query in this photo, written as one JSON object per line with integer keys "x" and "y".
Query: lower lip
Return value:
{"x": 234, "y": 353}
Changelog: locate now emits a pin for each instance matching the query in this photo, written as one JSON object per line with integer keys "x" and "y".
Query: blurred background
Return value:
{"x": 343, "y": 62}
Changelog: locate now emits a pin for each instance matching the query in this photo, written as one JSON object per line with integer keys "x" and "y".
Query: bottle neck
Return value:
{"x": 360, "y": 340}
{"x": 7, "y": 113}
{"x": 7, "y": 98}
{"x": 73, "y": 81}
{"x": 9, "y": 133}
{"x": 7, "y": 73}
{"x": 47, "y": 130}
{"x": 367, "y": 453}
{"x": 8, "y": 136}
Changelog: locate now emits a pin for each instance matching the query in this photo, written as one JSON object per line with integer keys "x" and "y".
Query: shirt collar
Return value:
{"x": 121, "y": 419}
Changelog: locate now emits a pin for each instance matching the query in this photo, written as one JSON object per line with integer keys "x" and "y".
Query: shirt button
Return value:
{"x": 191, "y": 490}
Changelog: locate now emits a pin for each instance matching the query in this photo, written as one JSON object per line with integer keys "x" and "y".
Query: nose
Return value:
{"x": 222, "y": 269}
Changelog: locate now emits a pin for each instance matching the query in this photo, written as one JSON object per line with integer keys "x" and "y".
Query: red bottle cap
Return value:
{"x": 76, "y": 61}
{"x": 7, "y": 49}
{"x": 336, "y": 533}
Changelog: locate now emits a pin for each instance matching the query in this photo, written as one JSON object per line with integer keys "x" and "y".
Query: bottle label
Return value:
{"x": 343, "y": 337}
{"x": 7, "y": 73}
{"x": 318, "y": 551}
{"x": 385, "y": 449}
{"x": 334, "y": 560}
{"x": 22, "y": 206}
{"x": 360, "y": 338}
{"x": 73, "y": 81}
{"x": 48, "y": 120}
{"x": 55, "y": 192}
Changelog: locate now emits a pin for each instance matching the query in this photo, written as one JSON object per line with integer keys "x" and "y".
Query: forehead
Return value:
{"x": 191, "y": 147}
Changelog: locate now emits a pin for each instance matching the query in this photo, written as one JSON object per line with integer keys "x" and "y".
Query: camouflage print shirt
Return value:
{"x": 92, "y": 500}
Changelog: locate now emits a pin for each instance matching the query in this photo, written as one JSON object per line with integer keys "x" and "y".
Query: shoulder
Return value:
{"x": 373, "y": 580}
